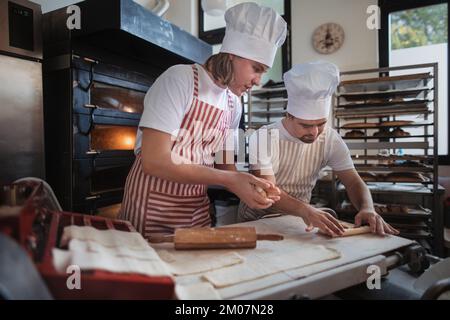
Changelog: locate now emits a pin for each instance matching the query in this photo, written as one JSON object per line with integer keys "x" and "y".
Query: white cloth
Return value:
{"x": 336, "y": 153}
{"x": 107, "y": 238}
{"x": 109, "y": 250}
{"x": 310, "y": 87}
{"x": 85, "y": 260}
{"x": 170, "y": 96}
{"x": 254, "y": 32}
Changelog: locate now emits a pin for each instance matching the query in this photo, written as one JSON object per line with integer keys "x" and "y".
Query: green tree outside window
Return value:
{"x": 419, "y": 27}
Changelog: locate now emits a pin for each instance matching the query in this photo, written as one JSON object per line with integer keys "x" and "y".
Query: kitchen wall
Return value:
{"x": 184, "y": 13}
{"x": 360, "y": 48}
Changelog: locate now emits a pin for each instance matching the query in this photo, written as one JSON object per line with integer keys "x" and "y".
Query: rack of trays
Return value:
{"x": 388, "y": 118}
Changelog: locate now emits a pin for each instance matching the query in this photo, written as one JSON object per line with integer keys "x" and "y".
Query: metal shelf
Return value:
{"x": 386, "y": 137}
{"x": 382, "y": 104}
{"x": 384, "y": 114}
{"x": 392, "y": 157}
{"x": 393, "y": 98}
{"x": 388, "y": 93}
{"x": 379, "y": 126}
{"x": 387, "y": 145}
{"x": 378, "y": 168}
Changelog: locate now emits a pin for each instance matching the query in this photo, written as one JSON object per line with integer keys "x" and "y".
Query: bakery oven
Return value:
{"x": 95, "y": 81}
{"x": 108, "y": 102}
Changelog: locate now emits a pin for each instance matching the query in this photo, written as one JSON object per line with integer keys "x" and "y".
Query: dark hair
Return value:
{"x": 221, "y": 68}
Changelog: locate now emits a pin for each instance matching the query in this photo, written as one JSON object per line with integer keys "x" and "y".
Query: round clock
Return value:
{"x": 328, "y": 38}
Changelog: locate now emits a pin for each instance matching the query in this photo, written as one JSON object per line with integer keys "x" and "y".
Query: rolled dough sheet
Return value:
{"x": 261, "y": 265}
{"x": 107, "y": 238}
{"x": 186, "y": 263}
{"x": 197, "y": 291}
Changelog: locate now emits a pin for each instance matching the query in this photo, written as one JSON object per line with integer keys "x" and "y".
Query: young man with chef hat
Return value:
{"x": 292, "y": 152}
{"x": 188, "y": 113}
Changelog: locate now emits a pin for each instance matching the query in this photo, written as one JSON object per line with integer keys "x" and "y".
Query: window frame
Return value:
{"x": 386, "y": 8}
{"x": 216, "y": 36}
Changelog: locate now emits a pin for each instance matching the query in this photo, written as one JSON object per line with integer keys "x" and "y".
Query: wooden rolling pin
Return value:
{"x": 215, "y": 238}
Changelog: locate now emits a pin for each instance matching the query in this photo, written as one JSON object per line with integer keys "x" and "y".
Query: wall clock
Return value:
{"x": 328, "y": 38}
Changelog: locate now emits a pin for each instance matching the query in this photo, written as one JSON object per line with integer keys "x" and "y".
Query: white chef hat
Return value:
{"x": 310, "y": 87}
{"x": 253, "y": 32}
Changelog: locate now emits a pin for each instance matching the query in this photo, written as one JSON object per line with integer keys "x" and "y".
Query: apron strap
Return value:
{"x": 195, "y": 70}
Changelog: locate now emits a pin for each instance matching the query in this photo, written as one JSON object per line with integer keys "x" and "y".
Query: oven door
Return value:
{"x": 99, "y": 183}
{"x": 103, "y": 137}
{"x": 115, "y": 94}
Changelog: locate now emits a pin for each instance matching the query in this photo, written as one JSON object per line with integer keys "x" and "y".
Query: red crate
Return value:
{"x": 39, "y": 230}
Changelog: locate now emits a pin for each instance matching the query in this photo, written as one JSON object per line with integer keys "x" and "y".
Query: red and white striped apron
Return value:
{"x": 158, "y": 206}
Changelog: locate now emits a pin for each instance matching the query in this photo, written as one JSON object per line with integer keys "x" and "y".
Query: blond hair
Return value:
{"x": 220, "y": 67}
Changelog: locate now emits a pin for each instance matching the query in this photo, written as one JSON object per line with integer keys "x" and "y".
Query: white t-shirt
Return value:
{"x": 336, "y": 153}
{"x": 170, "y": 97}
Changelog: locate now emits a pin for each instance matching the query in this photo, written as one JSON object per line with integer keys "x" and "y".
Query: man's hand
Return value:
{"x": 324, "y": 221}
{"x": 375, "y": 221}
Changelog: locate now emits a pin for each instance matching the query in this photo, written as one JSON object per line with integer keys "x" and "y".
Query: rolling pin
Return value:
{"x": 215, "y": 238}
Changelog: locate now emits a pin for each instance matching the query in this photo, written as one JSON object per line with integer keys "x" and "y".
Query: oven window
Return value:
{"x": 109, "y": 178}
{"x": 108, "y": 137}
{"x": 118, "y": 98}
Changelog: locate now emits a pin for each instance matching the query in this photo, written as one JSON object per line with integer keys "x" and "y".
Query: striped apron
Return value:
{"x": 297, "y": 167}
{"x": 157, "y": 206}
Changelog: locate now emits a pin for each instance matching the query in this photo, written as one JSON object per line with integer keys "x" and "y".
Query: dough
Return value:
{"x": 182, "y": 263}
{"x": 261, "y": 265}
{"x": 196, "y": 291}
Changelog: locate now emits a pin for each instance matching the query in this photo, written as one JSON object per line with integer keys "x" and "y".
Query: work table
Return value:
{"x": 357, "y": 253}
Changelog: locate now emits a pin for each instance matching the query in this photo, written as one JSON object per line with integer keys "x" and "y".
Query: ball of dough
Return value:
{"x": 261, "y": 191}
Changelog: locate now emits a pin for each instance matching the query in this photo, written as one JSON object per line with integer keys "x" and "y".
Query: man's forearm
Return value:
{"x": 360, "y": 196}
{"x": 292, "y": 206}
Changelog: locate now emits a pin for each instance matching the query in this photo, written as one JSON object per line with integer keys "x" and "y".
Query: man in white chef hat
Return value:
{"x": 301, "y": 145}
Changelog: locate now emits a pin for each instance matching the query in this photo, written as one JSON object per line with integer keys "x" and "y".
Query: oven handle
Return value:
{"x": 91, "y": 119}
{"x": 92, "y": 198}
{"x": 93, "y": 152}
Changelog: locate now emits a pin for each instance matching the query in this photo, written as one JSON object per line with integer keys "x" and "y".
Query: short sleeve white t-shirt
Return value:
{"x": 171, "y": 95}
{"x": 337, "y": 155}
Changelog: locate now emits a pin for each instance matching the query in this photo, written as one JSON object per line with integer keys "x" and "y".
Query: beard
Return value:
{"x": 307, "y": 139}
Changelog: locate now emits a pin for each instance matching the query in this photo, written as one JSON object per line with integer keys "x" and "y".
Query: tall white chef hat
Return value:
{"x": 253, "y": 32}
{"x": 310, "y": 87}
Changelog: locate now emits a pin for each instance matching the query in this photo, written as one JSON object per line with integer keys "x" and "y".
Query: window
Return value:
{"x": 212, "y": 30}
{"x": 416, "y": 32}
